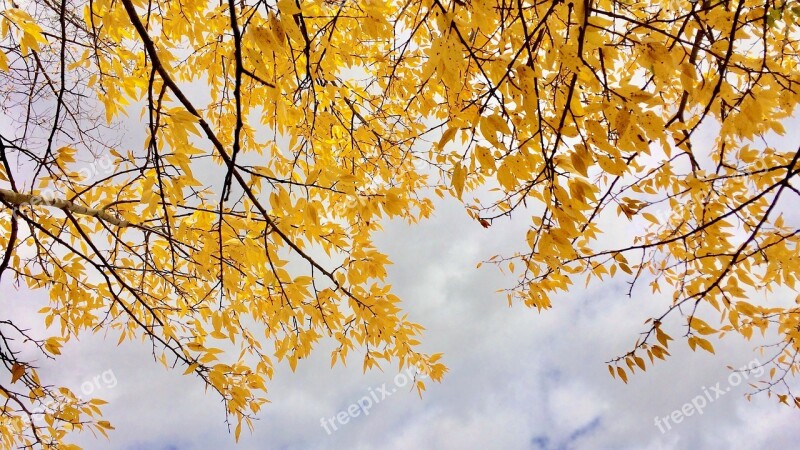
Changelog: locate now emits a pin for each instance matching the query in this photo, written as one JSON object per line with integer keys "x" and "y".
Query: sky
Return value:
{"x": 518, "y": 379}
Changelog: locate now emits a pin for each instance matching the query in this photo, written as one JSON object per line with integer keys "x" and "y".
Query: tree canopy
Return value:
{"x": 264, "y": 143}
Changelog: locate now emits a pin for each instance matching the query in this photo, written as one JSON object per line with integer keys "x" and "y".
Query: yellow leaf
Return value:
{"x": 447, "y": 136}
{"x": 195, "y": 347}
{"x": 420, "y": 387}
{"x": 580, "y": 159}
{"x": 288, "y": 7}
{"x": 458, "y": 180}
{"x": 700, "y": 326}
{"x": 622, "y": 374}
{"x": 499, "y": 124}
{"x": 705, "y": 345}
{"x": 17, "y": 371}
{"x": 485, "y": 158}
{"x": 53, "y": 346}
{"x": 650, "y": 218}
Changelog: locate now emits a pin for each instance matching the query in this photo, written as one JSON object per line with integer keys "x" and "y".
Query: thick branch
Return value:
{"x": 18, "y": 199}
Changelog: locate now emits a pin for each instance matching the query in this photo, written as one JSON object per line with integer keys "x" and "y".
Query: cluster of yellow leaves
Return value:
{"x": 591, "y": 112}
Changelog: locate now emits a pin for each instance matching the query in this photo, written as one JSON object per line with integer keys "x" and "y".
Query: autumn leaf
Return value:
{"x": 17, "y": 372}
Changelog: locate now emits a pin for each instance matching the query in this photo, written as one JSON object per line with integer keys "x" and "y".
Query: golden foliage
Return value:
{"x": 324, "y": 117}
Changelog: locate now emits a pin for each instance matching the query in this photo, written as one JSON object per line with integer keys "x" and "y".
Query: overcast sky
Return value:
{"x": 518, "y": 379}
